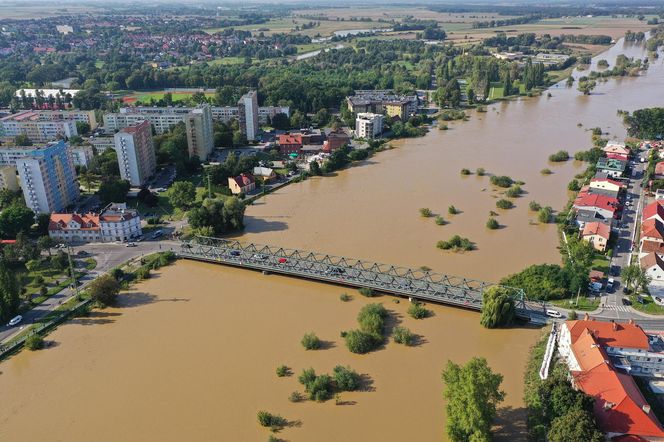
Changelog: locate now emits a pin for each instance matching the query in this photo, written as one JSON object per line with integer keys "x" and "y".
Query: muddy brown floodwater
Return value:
{"x": 191, "y": 354}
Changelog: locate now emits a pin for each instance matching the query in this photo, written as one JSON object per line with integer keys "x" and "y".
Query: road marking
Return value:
{"x": 619, "y": 308}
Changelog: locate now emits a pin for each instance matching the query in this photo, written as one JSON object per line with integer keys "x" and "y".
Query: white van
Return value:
{"x": 15, "y": 320}
{"x": 553, "y": 314}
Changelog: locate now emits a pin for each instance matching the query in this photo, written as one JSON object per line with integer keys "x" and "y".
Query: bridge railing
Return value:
{"x": 403, "y": 281}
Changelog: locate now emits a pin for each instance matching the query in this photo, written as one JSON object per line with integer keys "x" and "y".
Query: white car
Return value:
{"x": 15, "y": 320}
{"x": 554, "y": 314}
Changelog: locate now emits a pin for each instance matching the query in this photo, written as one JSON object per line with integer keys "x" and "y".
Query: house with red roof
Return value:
{"x": 617, "y": 156}
{"x": 606, "y": 206}
{"x": 243, "y": 183}
{"x": 652, "y": 230}
{"x": 602, "y": 357}
{"x": 290, "y": 143}
{"x": 654, "y": 210}
{"x": 597, "y": 234}
{"x": 114, "y": 223}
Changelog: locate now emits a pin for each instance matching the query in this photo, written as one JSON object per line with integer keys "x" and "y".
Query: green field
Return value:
{"x": 228, "y": 61}
{"x": 496, "y": 90}
{"x": 145, "y": 96}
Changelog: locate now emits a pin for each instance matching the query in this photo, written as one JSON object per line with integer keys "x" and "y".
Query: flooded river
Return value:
{"x": 191, "y": 354}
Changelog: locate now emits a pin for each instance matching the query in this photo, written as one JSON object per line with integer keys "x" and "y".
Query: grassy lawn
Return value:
{"x": 301, "y": 49}
{"x": 226, "y": 61}
{"x": 145, "y": 96}
{"x": 648, "y": 306}
{"x": 584, "y": 304}
{"x": 601, "y": 263}
{"x": 497, "y": 90}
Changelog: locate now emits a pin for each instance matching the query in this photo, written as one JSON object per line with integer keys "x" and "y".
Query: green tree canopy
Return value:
{"x": 15, "y": 219}
{"x": 473, "y": 393}
{"x": 104, "y": 289}
{"x": 576, "y": 426}
{"x": 498, "y": 308}
{"x": 182, "y": 194}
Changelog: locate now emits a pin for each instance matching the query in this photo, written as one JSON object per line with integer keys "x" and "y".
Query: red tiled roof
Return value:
{"x": 600, "y": 201}
{"x": 626, "y": 335}
{"x": 244, "y": 179}
{"x": 652, "y": 209}
{"x": 652, "y": 228}
{"x": 652, "y": 246}
{"x": 619, "y": 405}
{"x": 290, "y": 139}
{"x": 616, "y": 156}
{"x": 650, "y": 260}
{"x": 59, "y": 221}
{"x": 596, "y": 228}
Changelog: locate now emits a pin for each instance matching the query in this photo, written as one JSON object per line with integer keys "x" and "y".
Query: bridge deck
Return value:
{"x": 418, "y": 284}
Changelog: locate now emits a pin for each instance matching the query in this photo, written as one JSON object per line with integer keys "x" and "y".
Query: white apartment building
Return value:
{"x": 48, "y": 178}
{"x": 101, "y": 144}
{"x": 200, "y": 132}
{"x": 38, "y": 131}
{"x": 81, "y": 155}
{"x": 136, "y": 156}
{"x": 368, "y": 125}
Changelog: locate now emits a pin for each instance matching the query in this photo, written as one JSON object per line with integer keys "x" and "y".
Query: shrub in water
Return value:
{"x": 403, "y": 336}
{"x": 504, "y": 204}
{"x": 282, "y": 371}
{"x": 360, "y": 342}
{"x": 417, "y": 311}
{"x": 465, "y": 171}
{"x": 425, "y": 212}
{"x": 310, "y": 341}
{"x": 366, "y": 291}
{"x": 501, "y": 181}
{"x": 34, "y": 342}
{"x": 492, "y": 224}
{"x": 345, "y": 297}
{"x": 346, "y": 378}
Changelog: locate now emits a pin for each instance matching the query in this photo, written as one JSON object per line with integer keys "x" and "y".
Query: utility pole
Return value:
{"x": 209, "y": 185}
{"x": 71, "y": 270}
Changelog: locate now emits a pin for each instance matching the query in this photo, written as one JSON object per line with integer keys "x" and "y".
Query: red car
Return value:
{"x": 282, "y": 260}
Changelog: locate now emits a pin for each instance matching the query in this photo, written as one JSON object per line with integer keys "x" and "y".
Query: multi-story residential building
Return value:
{"x": 8, "y": 178}
{"x": 602, "y": 357}
{"x": 101, "y": 144}
{"x": 81, "y": 155}
{"x": 290, "y": 143}
{"x": 368, "y": 125}
{"x": 48, "y": 178}
{"x": 114, "y": 223}
{"x": 248, "y": 115}
{"x": 31, "y": 125}
{"x": 266, "y": 113}
{"x": 83, "y": 116}
{"x": 161, "y": 121}
{"x": 136, "y": 156}
{"x": 383, "y": 102}
{"x": 200, "y": 132}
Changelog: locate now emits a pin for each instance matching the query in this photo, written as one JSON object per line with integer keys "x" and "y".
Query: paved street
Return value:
{"x": 107, "y": 255}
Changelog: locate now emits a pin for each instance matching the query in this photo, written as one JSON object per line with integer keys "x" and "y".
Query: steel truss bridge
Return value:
{"x": 416, "y": 284}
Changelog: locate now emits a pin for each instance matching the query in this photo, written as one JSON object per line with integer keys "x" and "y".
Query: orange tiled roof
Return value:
{"x": 596, "y": 228}
{"x": 59, "y": 221}
{"x": 626, "y": 335}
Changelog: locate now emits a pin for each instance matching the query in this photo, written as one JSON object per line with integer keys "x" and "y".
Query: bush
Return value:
{"x": 452, "y": 210}
{"x": 440, "y": 220}
{"x": 572, "y": 316}
{"x": 417, "y": 311}
{"x": 559, "y": 157}
{"x": 43, "y": 291}
{"x": 465, "y": 171}
{"x": 346, "y": 378}
{"x": 480, "y": 171}
{"x": 502, "y": 181}
{"x": 452, "y": 114}
{"x": 534, "y": 206}
{"x": 318, "y": 387}
{"x": 308, "y": 376}
{"x": 514, "y": 191}
{"x": 266, "y": 419}
{"x": 426, "y": 212}
{"x": 345, "y": 297}
{"x": 34, "y": 342}
{"x": 143, "y": 273}
{"x": 360, "y": 342}
{"x": 544, "y": 214}
{"x": 504, "y": 204}
{"x": 403, "y": 336}
{"x": 456, "y": 243}
{"x": 366, "y": 291}
{"x": 117, "y": 273}
{"x": 104, "y": 290}
{"x": 282, "y": 371}
{"x": 310, "y": 341}
{"x": 492, "y": 224}
{"x": 574, "y": 186}
{"x": 546, "y": 172}
{"x": 296, "y": 396}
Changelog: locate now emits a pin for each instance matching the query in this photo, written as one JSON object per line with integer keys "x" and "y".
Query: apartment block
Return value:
{"x": 48, "y": 177}
{"x": 248, "y": 115}
{"x": 368, "y": 125}
{"x": 81, "y": 155}
{"x": 29, "y": 123}
{"x": 136, "y": 156}
{"x": 200, "y": 132}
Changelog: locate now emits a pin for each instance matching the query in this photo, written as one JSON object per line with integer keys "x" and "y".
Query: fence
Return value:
{"x": 42, "y": 328}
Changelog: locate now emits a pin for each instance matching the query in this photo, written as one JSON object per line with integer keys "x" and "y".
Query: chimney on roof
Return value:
{"x": 646, "y": 408}
{"x": 631, "y": 321}
{"x": 615, "y": 325}
{"x": 586, "y": 317}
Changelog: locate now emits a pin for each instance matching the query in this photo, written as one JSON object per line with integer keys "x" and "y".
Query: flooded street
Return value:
{"x": 191, "y": 354}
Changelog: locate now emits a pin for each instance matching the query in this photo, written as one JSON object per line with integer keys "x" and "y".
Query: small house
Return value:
{"x": 243, "y": 183}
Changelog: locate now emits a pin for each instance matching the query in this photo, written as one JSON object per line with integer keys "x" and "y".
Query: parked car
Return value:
{"x": 15, "y": 320}
{"x": 626, "y": 301}
{"x": 131, "y": 244}
{"x": 235, "y": 253}
{"x": 282, "y": 260}
{"x": 554, "y": 314}
{"x": 609, "y": 284}
{"x": 157, "y": 234}
{"x": 261, "y": 257}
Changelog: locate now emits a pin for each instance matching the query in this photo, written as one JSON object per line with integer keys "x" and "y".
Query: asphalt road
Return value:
{"x": 107, "y": 255}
